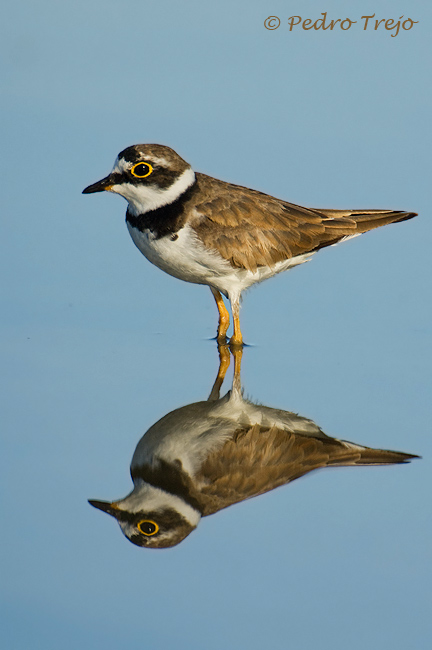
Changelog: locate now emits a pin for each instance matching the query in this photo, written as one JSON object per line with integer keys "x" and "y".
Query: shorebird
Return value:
{"x": 207, "y": 231}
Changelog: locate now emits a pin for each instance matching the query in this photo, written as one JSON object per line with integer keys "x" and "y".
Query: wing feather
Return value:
{"x": 251, "y": 229}
{"x": 259, "y": 459}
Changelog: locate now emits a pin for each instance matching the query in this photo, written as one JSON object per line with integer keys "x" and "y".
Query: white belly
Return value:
{"x": 186, "y": 258}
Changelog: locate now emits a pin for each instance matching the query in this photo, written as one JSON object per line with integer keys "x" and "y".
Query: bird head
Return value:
{"x": 148, "y": 176}
{"x": 152, "y": 518}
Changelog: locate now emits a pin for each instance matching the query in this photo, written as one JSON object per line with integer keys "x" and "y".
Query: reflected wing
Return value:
{"x": 250, "y": 229}
{"x": 257, "y": 460}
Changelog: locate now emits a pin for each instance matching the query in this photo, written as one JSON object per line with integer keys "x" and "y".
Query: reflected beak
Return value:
{"x": 105, "y": 184}
{"x": 110, "y": 508}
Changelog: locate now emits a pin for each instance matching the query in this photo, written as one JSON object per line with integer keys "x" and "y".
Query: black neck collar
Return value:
{"x": 171, "y": 478}
{"x": 163, "y": 221}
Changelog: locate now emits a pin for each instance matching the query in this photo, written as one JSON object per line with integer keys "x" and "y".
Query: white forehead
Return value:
{"x": 121, "y": 165}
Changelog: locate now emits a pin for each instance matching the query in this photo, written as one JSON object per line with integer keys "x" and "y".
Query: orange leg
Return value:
{"x": 236, "y": 339}
{"x": 237, "y": 354}
{"x": 224, "y": 362}
{"x": 224, "y": 319}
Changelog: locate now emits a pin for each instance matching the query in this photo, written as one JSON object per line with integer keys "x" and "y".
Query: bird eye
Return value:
{"x": 141, "y": 170}
{"x": 147, "y": 527}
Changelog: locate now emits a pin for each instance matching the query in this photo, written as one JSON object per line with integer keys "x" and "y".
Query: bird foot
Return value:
{"x": 236, "y": 343}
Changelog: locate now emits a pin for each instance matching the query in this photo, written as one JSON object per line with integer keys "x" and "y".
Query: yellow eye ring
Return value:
{"x": 146, "y": 170}
{"x": 147, "y": 527}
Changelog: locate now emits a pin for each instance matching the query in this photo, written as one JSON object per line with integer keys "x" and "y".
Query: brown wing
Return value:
{"x": 258, "y": 459}
{"x": 251, "y": 229}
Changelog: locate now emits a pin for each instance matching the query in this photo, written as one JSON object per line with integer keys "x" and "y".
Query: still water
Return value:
{"x": 297, "y": 562}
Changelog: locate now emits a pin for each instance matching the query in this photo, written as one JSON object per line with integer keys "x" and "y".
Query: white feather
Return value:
{"x": 145, "y": 197}
{"x": 188, "y": 259}
{"x": 152, "y": 498}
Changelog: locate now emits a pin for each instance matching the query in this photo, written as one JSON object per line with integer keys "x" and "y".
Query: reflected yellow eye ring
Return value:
{"x": 147, "y": 527}
{"x": 141, "y": 170}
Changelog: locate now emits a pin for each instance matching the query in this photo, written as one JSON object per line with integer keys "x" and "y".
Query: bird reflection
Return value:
{"x": 209, "y": 455}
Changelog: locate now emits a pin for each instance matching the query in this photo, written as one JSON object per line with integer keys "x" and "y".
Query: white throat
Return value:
{"x": 143, "y": 198}
{"x": 148, "y": 497}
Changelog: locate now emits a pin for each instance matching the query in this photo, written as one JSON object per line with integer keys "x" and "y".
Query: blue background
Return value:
{"x": 97, "y": 344}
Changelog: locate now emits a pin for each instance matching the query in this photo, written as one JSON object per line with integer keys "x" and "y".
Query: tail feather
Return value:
{"x": 368, "y": 219}
{"x": 357, "y": 455}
